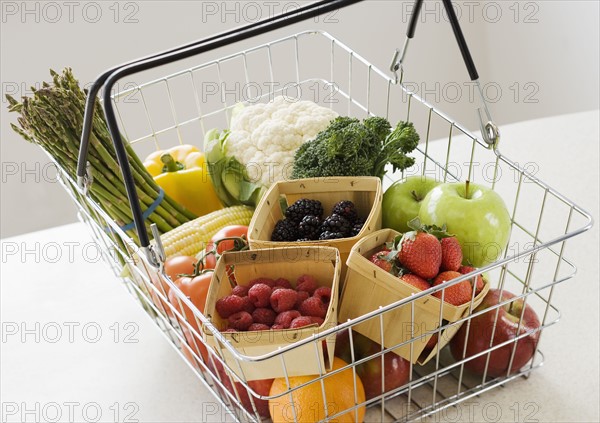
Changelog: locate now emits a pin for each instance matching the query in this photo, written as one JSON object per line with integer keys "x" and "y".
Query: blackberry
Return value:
{"x": 285, "y": 230}
{"x": 357, "y": 227}
{"x": 303, "y": 240}
{"x": 304, "y": 207}
{"x": 336, "y": 223}
{"x": 310, "y": 227}
{"x": 346, "y": 209}
{"x": 331, "y": 235}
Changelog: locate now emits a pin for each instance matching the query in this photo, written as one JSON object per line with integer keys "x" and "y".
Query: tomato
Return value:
{"x": 226, "y": 232}
{"x": 180, "y": 265}
{"x": 195, "y": 289}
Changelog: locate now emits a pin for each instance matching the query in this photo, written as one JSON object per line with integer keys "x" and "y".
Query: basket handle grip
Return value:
{"x": 108, "y": 79}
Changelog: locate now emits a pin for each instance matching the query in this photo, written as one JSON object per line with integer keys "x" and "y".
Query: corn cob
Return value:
{"x": 192, "y": 237}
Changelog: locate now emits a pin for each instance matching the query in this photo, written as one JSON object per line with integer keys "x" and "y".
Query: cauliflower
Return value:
{"x": 265, "y": 137}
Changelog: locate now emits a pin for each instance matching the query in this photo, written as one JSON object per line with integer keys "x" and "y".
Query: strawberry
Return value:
{"x": 451, "y": 254}
{"x": 380, "y": 259}
{"x": 415, "y": 281}
{"x": 457, "y": 294}
{"x": 421, "y": 254}
{"x": 478, "y": 279}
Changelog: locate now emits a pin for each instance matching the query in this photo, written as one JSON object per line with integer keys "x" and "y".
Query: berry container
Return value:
{"x": 414, "y": 319}
{"x": 365, "y": 192}
{"x": 274, "y": 353}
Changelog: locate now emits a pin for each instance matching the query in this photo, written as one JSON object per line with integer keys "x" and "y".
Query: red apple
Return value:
{"x": 396, "y": 370}
{"x": 507, "y": 328}
{"x": 261, "y": 387}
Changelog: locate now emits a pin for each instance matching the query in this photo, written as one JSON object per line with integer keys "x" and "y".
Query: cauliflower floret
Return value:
{"x": 265, "y": 137}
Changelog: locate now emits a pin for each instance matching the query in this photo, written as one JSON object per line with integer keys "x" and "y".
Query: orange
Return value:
{"x": 308, "y": 404}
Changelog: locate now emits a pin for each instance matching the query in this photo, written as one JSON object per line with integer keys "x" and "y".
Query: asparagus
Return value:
{"x": 53, "y": 119}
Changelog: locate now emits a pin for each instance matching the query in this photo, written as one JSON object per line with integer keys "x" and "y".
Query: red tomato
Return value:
{"x": 195, "y": 289}
{"x": 226, "y": 232}
{"x": 180, "y": 265}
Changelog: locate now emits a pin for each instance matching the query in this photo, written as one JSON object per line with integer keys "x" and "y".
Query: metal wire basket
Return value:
{"x": 181, "y": 106}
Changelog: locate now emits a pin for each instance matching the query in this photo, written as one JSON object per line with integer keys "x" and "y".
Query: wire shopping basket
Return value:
{"x": 181, "y": 106}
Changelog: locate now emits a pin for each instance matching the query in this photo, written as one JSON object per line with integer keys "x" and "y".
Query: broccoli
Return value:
{"x": 348, "y": 147}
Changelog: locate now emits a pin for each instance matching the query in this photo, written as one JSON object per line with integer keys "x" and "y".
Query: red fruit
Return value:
{"x": 285, "y": 318}
{"x": 380, "y": 259}
{"x": 324, "y": 294}
{"x": 229, "y": 330}
{"x": 229, "y": 305}
{"x": 416, "y": 281}
{"x": 421, "y": 254}
{"x": 478, "y": 279}
{"x": 306, "y": 283}
{"x": 240, "y": 291}
{"x": 277, "y": 326}
{"x": 259, "y": 294}
{"x": 264, "y": 315}
{"x": 248, "y": 306}
{"x": 313, "y": 306}
{"x": 301, "y": 321}
{"x": 318, "y": 320}
{"x": 283, "y": 299}
{"x": 457, "y": 294}
{"x": 451, "y": 254}
{"x": 302, "y": 295}
{"x": 267, "y": 281}
{"x": 283, "y": 283}
{"x": 258, "y": 326}
{"x": 240, "y": 320}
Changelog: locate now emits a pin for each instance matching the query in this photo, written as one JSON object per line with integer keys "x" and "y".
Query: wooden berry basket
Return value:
{"x": 365, "y": 192}
{"x": 368, "y": 287}
{"x": 308, "y": 358}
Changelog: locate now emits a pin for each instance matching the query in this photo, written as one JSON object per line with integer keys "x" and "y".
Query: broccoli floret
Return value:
{"x": 351, "y": 148}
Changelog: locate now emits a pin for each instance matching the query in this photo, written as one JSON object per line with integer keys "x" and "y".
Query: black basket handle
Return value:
{"x": 107, "y": 80}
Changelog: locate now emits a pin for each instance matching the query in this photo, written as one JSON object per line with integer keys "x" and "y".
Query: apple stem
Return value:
{"x": 467, "y": 188}
{"x": 415, "y": 196}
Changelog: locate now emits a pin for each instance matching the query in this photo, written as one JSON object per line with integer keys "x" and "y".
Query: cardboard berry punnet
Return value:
{"x": 368, "y": 287}
{"x": 323, "y": 263}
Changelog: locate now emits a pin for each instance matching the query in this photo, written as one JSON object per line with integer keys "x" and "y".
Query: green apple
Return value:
{"x": 402, "y": 201}
{"x": 475, "y": 214}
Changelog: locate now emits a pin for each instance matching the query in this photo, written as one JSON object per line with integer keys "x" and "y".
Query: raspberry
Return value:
{"x": 300, "y": 322}
{"x": 258, "y": 326}
{"x": 275, "y": 327}
{"x": 229, "y": 305}
{"x": 264, "y": 315}
{"x": 319, "y": 321}
{"x": 285, "y": 318}
{"x": 247, "y": 305}
{"x": 324, "y": 294}
{"x": 240, "y": 291}
{"x": 259, "y": 295}
{"x": 229, "y": 330}
{"x": 240, "y": 320}
{"x": 267, "y": 281}
{"x": 283, "y": 300}
{"x": 302, "y": 295}
{"x": 313, "y": 306}
{"x": 283, "y": 283}
{"x": 306, "y": 283}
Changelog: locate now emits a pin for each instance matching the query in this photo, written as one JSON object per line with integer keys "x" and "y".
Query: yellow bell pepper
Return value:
{"x": 183, "y": 174}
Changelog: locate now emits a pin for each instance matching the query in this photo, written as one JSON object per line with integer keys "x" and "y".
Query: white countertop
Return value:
{"x": 52, "y": 281}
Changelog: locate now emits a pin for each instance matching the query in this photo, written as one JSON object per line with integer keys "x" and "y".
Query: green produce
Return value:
{"x": 402, "y": 201}
{"x": 351, "y": 148}
{"x": 53, "y": 118}
{"x": 476, "y": 215}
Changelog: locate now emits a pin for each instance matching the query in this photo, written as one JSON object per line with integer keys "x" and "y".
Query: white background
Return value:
{"x": 538, "y": 59}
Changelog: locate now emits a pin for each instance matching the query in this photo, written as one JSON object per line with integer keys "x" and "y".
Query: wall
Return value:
{"x": 535, "y": 59}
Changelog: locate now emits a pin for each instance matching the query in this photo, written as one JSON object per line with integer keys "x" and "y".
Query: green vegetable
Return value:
{"x": 229, "y": 176}
{"x": 53, "y": 117}
{"x": 351, "y": 148}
